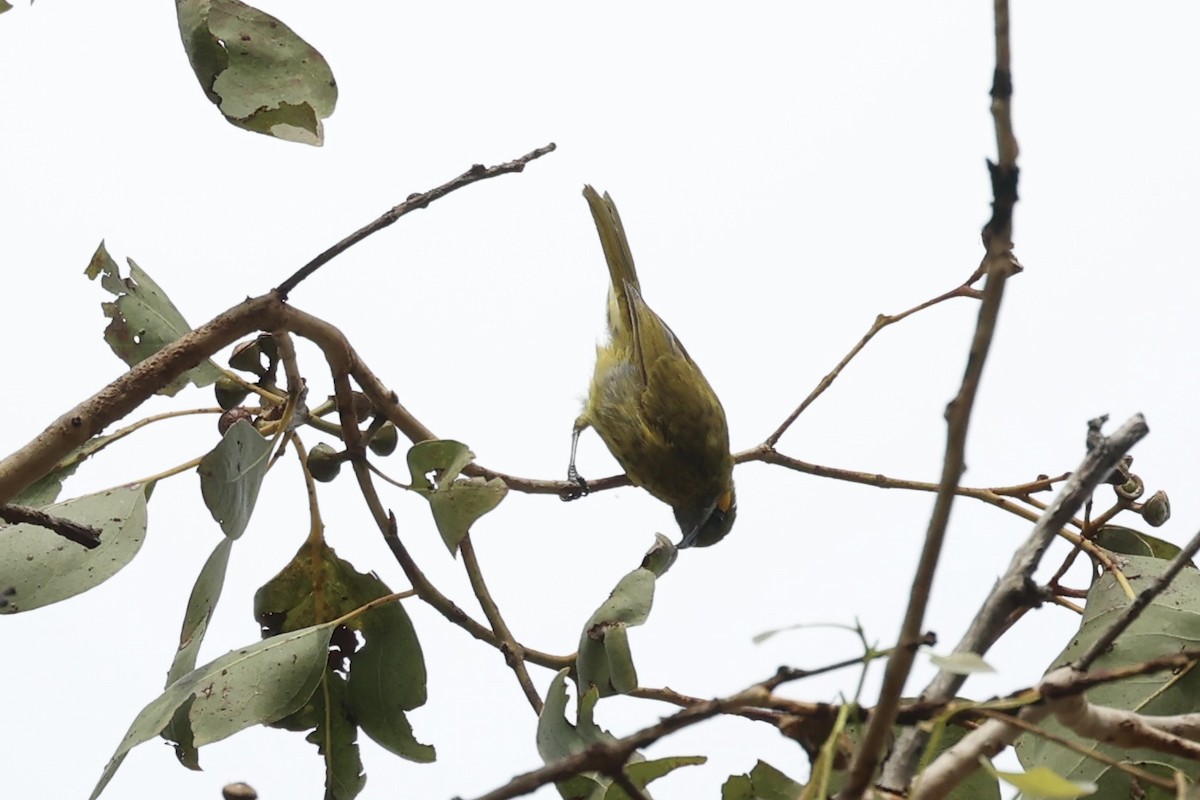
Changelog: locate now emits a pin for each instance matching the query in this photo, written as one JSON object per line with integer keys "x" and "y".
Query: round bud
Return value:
{"x": 384, "y": 442}
{"x": 324, "y": 463}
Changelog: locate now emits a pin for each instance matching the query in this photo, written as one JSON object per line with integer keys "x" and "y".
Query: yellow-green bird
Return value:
{"x": 651, "y": 404}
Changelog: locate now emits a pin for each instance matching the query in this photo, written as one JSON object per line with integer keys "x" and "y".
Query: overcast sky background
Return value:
{"x": 785, "y": 173}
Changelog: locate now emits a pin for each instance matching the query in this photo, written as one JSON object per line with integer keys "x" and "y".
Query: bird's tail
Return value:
{"x": 616, "y": 252}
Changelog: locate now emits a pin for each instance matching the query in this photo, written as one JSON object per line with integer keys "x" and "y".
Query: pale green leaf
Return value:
{"x": 961, "y": 663}
{"x": 605, "y": 661}
{"x": 43, "y": 567}
{"x": 256, "y": 70}
{"x": 231, "y": 475}
{"x": 251, "y": 686}
{"x": 1045, "y": 783}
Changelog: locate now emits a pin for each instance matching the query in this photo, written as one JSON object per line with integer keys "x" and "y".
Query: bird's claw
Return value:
{"x": 578, "y": 487}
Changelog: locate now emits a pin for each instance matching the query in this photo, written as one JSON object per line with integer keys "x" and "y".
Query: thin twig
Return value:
{"x": 881, "y": 322}
{"x": 476, "y": 173}
{"x": 514, "y": 653}
{"x": 70, "y": 530}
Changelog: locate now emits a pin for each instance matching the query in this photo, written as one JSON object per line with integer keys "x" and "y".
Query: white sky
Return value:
{"x": 785, "y": 173}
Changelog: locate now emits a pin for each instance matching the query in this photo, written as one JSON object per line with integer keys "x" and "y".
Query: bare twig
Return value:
{"x": 476, "y": 173}
{"x": 514, "y": 653}
{"x": 999, "y": 264}
{"x": 70, "y": 530}
{"x": 881, "y": 322}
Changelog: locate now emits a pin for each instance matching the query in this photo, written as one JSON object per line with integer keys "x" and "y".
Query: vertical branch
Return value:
{"x": 999, "y": 264}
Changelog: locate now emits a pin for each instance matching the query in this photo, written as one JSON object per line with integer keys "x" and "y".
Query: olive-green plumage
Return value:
{"x": 651, "y": 404}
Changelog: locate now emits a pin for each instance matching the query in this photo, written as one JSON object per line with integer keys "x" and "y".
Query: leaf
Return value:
{"x": 456, "y": 503}
{"x": 387, "y": 676}
{"x": 231, "y": 475}
{"x": 44, "y": 568}
{"x": 961, "y": 663}
{"x": 605, "y": 661}
{"x": 1045, "y": 783}
{"x": 256, "y": 70}
{"x": 644, "y": 772}
{"x": 336, "y": 738}
{"x": 1128, "y": 541}
{"x": 143, "y": 319}
{"x": 1170, "y": 623}
{"x": 557, "y": 739}
{"x": 764, "y": 782}
{"x": 255, "y": 685}
{"x": 200, "y": 607}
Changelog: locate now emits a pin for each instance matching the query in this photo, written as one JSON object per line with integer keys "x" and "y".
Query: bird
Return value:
{"x": 652, "y": 406}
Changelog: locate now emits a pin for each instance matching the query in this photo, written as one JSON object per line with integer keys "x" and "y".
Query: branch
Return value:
{"x": 73, "y": 531}
{"x": 1016, "y": 589}
{"x": 130, "y": 390}
{"x": 999, "y": 264}
{"x": 476, "y": 173}
{"x": 514, "y": 653}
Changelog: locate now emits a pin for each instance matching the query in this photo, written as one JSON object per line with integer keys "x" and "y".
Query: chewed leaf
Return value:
{"x": 143, "y": 319}
{"x": 456, "y": 502}
{"x": 256, "y": 70}
{"x": 42, "y": 568}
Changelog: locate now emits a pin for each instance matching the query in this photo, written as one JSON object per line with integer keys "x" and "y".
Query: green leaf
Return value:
{"x": 336, "y": 738}
{"x": 256, "y": 70}
{"x": 644, "y": 772}
{"x": 231, "y": 475}
{"x": 255, "y": 685}
{"x": 605, "y": 661}
{"x": 387, "y": 676}
{"x": 200, "y": 607}
{"x": 1170, "y": 623}
{"x": 558, "y": 738}
{"x": 143, "y": 319}
{"x": 764, "y": 782}
{"x": 1128, "y": 541}
{"x": 45, "y": 568}
{"x": 456, "y": 502}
